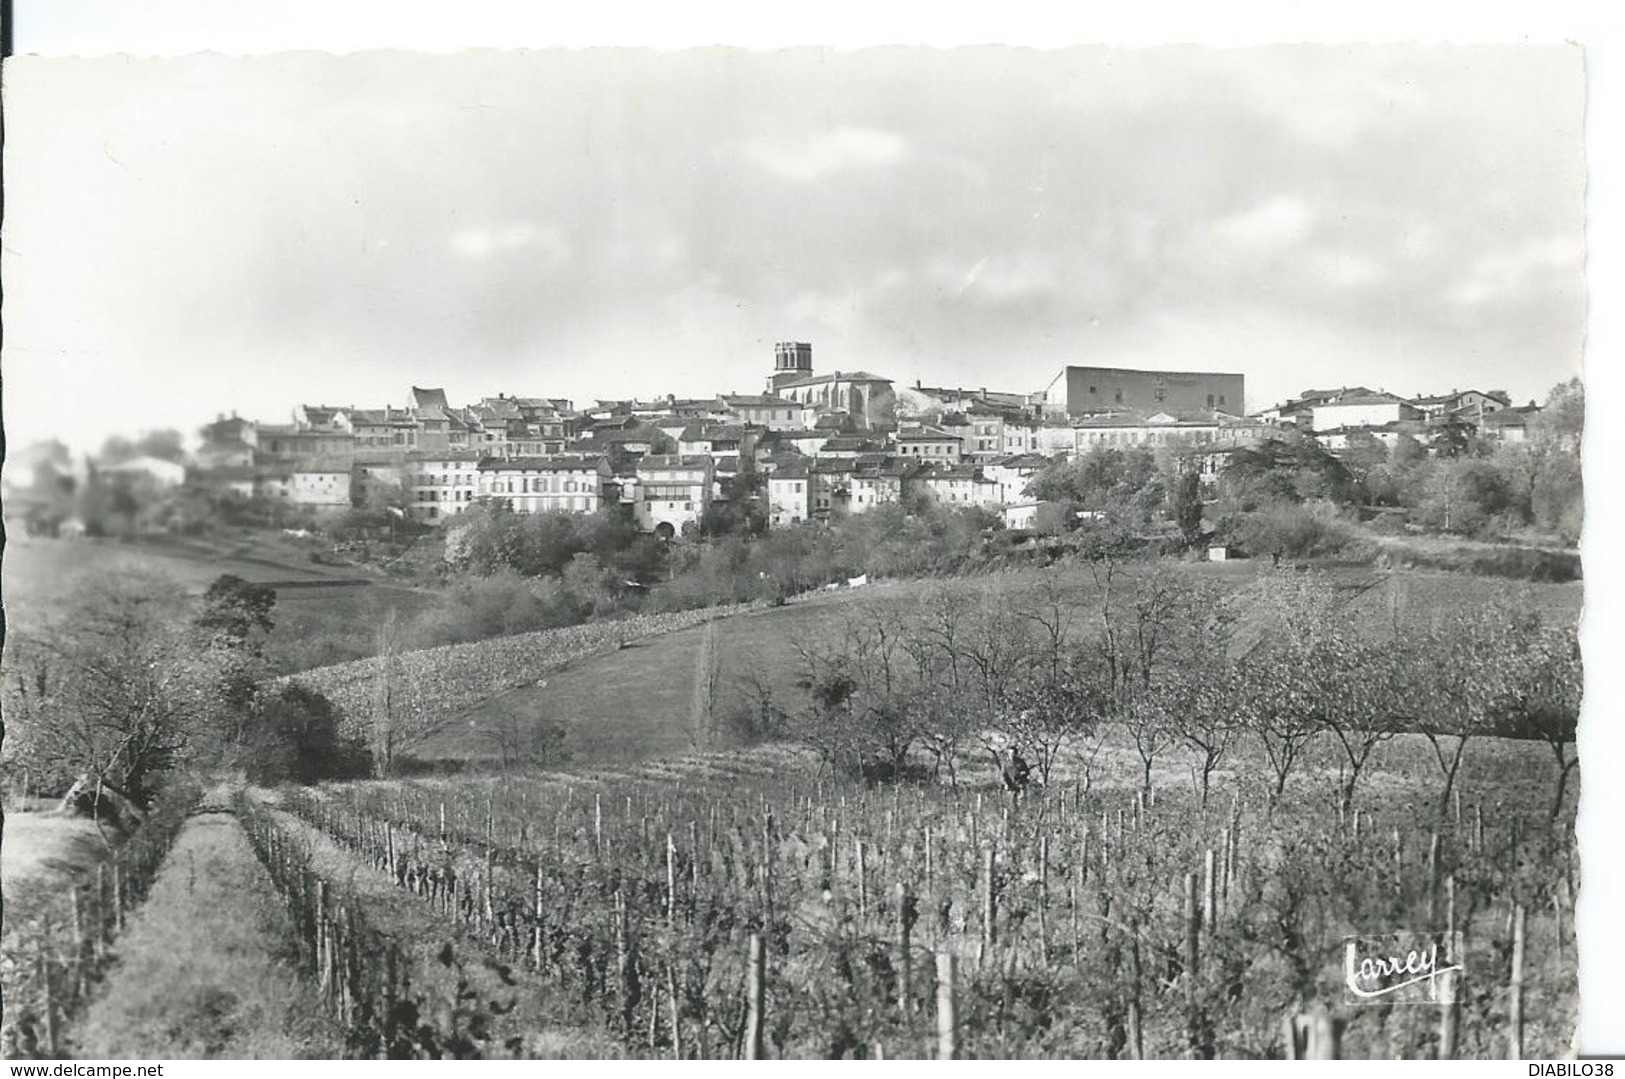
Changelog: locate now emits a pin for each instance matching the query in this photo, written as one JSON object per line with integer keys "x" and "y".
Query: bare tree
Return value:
{"x": 1148, "y": 621}
{"x": 121, "y": 687}
{"x": 760, "y": 714}
{"x": 400, "y": 721}
{"x": 1542, "y": 688}
{"x": 1279, "y": 698}
{"x": 1354, "y": 684}
{"x": 933, "y": 644}
{"x": 863, "y": 709}
{"x": 1453, "y": 678}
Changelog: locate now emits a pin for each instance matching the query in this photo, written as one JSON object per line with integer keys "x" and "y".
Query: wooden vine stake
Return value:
{"x": 1193, "y": 933}
{"x": 1515, "y": 987}
{"x": 676, "y": 1012}
{"x": 76, "y": 973}
{"x": 536, "y": 945}
{"x": 947, "y": 1026}
{"x": 905, "y": 926}
{"x": 1316, "y": 1036}
{"x": 1433, "y": 876}
{"x": 1210, "y": 889}
{"x": 1450, "y": 1010}
{"x": 671, "y": 879}
{"x": 862, "y": 860}
{"x": 1043, "y": 900}
{"x": 48, "y": 1008}
{"x": 755, "y": 998}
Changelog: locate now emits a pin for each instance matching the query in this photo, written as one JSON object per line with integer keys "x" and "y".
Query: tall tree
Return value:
{"x": 236, "y": 610}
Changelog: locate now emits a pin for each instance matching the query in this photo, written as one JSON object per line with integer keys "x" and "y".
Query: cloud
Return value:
{"x": 1533, "y": 266}
{"x": 478, "y": 244}
{"x": 1004, "y": 280}
{"x": 1266, "y": 229}
{"x": 844, "y": 149}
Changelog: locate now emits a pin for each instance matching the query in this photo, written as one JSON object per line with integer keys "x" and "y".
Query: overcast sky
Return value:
{"x": 204, "y": 234}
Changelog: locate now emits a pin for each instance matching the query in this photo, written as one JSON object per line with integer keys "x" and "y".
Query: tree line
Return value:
{"x": 1183, "y": 672}
{"x": 129, "y": 682}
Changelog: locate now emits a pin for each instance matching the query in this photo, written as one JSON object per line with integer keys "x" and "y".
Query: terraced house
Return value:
{"x": 1125, "y": 429}
{"x": 673, "y": 490}
{"x": 789, "y": 495}
{"x": 958, "y": 486}
{"x": 877, "y": 483}
{"x": 565, "y": 482}
{"x": 928, "y": 444}
{"x": 440, "y": 484}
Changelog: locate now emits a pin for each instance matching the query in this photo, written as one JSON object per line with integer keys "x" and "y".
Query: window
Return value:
{"x": 1221, "y": 398}
{"x": 1093, "y": 390}
{"x": 1210, "y": 400}
{"x": 1118, "y": 398}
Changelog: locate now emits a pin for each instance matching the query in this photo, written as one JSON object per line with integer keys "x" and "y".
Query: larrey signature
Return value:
{"x": 1411, "y": 968}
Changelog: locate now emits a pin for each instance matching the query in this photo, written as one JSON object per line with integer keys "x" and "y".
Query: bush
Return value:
{"x": 295, "y": 738}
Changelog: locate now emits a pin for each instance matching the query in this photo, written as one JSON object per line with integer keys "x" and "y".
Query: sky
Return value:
{"x": 189, "y": 236}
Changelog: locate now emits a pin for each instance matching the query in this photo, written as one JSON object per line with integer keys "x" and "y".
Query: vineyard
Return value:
{"x": 59, "y": 942}
{"x": 433, "y": 683}
{"x": 1233, "y": 792}
{"x": 730, "y": 916}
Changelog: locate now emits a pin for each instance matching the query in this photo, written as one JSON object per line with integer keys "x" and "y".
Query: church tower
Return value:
{"x": 791, "y": 360}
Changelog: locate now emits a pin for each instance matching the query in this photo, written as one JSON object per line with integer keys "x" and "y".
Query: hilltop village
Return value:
{"x": 811, "y": 445}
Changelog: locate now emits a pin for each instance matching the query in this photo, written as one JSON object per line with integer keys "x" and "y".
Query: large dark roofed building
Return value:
{"x": 1105, "y": 389}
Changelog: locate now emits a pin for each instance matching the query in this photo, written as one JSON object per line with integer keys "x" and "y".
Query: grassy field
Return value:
{"x": 324, "y": 614}
{"x": 636, "y": 704}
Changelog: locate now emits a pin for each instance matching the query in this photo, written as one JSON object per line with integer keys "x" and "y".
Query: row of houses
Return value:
{"x": 817, "y": 489}
{"x": 664, "y": 492}
{"x": 1334, "y": 416}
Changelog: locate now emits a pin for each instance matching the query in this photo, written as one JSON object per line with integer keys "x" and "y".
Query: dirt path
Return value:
{"x": 203, "y": 970}
{"x": 42, "y": 844}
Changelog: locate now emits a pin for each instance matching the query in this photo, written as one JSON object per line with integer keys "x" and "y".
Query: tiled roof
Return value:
{"x": 834, "y": 376}
{"x": 956, "y": 473}
{"x": 924, "y": 434}
{"x": 1312, "y": 396}
{"x": 700, "y": 431}
{"x": 1358, "y": 400}
{"x": 428, "y": 398}
{"x": 675, "y": 460}
{"x": 1511, "y": 417}
{"x": 1021, "y": 460}
{"x": 443, "y": 455}
{"x": 559, "y": 462}
{"x": 847, "y": 442}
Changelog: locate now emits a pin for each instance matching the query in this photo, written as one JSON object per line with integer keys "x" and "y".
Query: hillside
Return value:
{"x": 635, "y": 704}
{"x": 321, "y": 610}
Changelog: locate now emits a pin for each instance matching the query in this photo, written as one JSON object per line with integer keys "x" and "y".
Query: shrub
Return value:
{"x": 295, "y": 738}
